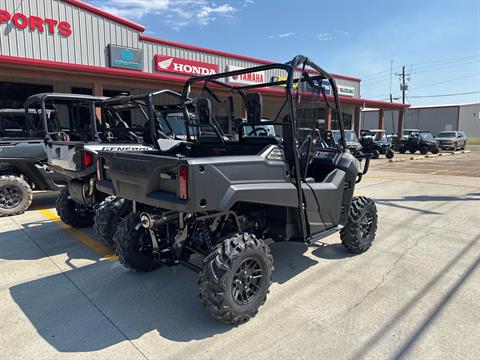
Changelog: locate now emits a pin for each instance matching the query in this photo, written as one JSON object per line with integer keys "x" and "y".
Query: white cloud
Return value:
{"x": 324, "y": 37}
{"x": 175, "y": 13}
{"x": 282, "y": 35}
{"x": 342, "y": 32}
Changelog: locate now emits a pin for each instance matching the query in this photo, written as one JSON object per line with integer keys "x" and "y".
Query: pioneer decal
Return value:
{"x": 184, "y": 66}
{"x": 123, "y": 148}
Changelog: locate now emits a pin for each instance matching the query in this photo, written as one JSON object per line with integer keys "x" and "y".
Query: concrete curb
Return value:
{"x": 430, "y": 156}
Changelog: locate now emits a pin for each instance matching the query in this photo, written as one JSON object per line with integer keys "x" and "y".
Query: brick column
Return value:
{"x": 381, "y": 119}
{"x": 328, "y": 118}
{"x": 98, "y": 91}
{"x": 401, "y": 115}
{"x": 356, "y": 121}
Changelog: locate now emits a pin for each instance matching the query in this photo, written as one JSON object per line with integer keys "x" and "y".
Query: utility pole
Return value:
{"x": 403, "y": 83}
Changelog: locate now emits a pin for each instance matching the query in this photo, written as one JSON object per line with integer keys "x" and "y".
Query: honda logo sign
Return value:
{"x": 184, "y": 66}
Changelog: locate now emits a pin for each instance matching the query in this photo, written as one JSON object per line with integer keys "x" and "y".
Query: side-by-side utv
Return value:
{"x": 376, "y": 143}
{"x": 73, "y": 135}
{"x": 210, "y": 203}
{"x": 23, "y": 162}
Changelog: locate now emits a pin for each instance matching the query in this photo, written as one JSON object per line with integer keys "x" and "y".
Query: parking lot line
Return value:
{"x": 80, "y": 235}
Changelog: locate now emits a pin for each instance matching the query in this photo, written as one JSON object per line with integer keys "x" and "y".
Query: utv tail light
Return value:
{"x": 87, "y": 159}
{"x": 183, "y": 176}
{"x": 99, "y": 168}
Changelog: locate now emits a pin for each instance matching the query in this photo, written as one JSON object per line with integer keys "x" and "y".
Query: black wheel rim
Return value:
{"x": 366, "y": 226}
{"x": 10, "y": 197}
{"x": 247, "y": 281}
{"x": 144, "y": 244}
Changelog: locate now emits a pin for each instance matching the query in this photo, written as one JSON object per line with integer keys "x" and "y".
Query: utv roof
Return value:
{"x": 62, "y": 96}
{"x": 121, "y": 99}
{"x": 18, "y": 111}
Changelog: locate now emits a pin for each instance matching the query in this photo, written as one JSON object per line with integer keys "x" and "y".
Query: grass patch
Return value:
{"x": 473, "y": 141}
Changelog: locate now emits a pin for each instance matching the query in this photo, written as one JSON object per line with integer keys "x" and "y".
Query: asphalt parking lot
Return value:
{"x": 414, "y": 294}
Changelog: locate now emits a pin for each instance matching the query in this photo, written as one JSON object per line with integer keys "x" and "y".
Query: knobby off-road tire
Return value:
{"x": 402, "y": 150}
{"x": 389, "y": 154}
{"x": 424, "y": 150}
{"x": 134, "y": 247}
{"x": 359, "y": 232}
{"x": 71, "y": 213}
{"x": 15, "y": 195}
{"x": 235, "y": 278}
{"x": 108, "y": 217}
{"x": 435, "y": 150}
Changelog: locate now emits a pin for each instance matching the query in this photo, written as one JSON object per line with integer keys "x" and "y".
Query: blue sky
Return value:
{"x": 438, "y": 41}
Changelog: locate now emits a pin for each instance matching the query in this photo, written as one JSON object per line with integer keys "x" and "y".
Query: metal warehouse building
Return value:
{"x": 435, "y": 118}
{"x": 70, "y": 46}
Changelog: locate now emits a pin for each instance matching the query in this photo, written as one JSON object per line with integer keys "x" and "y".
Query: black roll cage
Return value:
{"x": 147, "y": 100}
{"x": 298, "y": 63}
{"x": 43, "y": 98}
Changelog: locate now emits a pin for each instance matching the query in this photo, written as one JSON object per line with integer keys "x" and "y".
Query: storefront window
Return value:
{"x": 347, "y": 121}
{"x": 13, "y": 95}
{"x": 82, "y": 91}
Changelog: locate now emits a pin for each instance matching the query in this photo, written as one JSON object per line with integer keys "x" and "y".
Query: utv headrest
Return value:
{"x": 204, "y": 111}
{"x": 254, "y": 107}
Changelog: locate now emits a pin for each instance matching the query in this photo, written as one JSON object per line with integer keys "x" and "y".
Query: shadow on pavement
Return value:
{"x": 385, "y": 330}
{"x": 331, "y": 251}
{"x": 40, "y": 239}
{"x": 102, "y": 304}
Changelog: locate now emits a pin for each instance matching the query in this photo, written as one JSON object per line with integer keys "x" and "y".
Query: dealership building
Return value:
{"x": 434, "y": 118}
{"x": 70, "y": 46}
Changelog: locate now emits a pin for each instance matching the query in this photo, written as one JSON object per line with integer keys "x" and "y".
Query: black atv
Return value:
{"x": 23, "y": 161}
{"x": 376, "y": 143}
{"x": 210, "y": 203}
{"x": 422, "y": 141}
{"x": 333, "y": 138}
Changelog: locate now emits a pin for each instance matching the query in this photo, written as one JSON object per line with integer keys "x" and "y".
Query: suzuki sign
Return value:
{"x": 346, "y": 90}
{"x": 184, "y": 66}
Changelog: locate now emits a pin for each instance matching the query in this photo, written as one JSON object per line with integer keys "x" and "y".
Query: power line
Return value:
{"x": 384, "y": 78}
{"x": 441, "y": 95}
{"x": 428, "y": 85}
{"x": 385, "y": 73}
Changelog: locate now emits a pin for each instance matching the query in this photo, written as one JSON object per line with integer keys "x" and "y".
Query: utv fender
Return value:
{"x": 266, "y": 193}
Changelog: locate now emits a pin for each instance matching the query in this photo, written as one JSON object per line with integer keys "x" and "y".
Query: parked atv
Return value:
{"x": 211, "y": 203}
{"x": 375, "y": 142}
{"x": 166, "y": 112}
{"x": 334, "y": 137}
{"x": 73, "y": 135}
{"x": 23, "y": 162}
{"x": 422, "y": 141}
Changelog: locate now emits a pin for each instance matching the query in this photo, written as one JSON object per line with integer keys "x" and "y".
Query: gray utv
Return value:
{"x": 164, "y": 109}
{"x": 73, "y": 135}
{"x": 210, "y": 203}
{"x": 23, "y": 162}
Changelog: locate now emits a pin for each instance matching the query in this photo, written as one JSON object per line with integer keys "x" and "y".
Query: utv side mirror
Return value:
{"x": 204, "y": 110}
